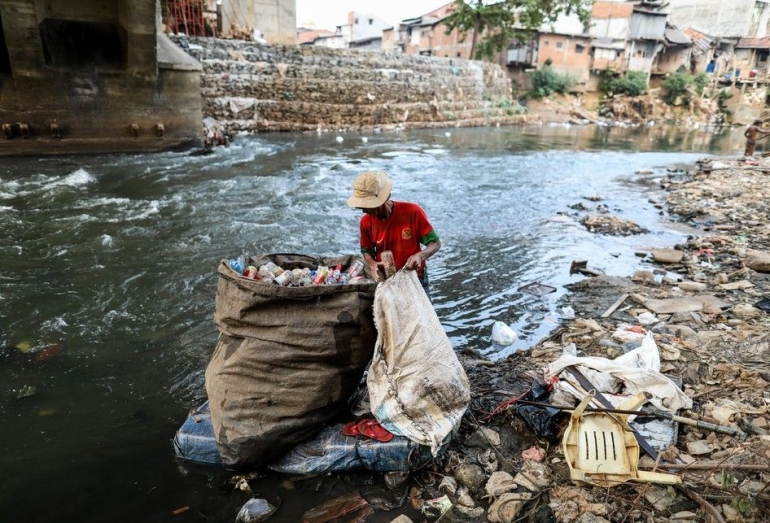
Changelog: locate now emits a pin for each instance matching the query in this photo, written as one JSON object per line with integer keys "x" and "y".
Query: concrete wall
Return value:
{"x": 103, "y": 93}
{"x": 611, "y": 19}
{"x": 670, "y": 59}
{"x": 448, "y": 45}
{"x": 721, "y": 18}
{"x": 276, "y": 19}
{"x": 281, "y": 88}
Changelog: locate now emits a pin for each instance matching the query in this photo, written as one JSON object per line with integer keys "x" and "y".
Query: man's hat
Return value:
{"x": 370, "y": 190}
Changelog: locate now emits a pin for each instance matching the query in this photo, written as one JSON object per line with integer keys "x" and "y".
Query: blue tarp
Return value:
{"x": 328, "y": 451}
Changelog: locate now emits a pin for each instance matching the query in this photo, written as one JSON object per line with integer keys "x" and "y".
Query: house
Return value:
{"x": 565, "y": 45}
{"x": 372, "y": 43}
{"x": 610, "y": 28}
{"x": 726, "y": 23}
{"x": 307, "y": 36}
{"x": 360, "y": 27}
{"x": 333, "y": 40}
{"x": 420, "y": 34}
{"x": 676, "y": 54}
{"x": 629, "y": 36}
{"x": 751, "y": 56}
{"x": 702, "y": 58}
{"x": 646, "y": 36}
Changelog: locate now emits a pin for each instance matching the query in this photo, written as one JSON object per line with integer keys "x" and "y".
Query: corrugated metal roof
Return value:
{"x": 699, "y": 40}
{"x": 608, "y": 43}
{"x": 676, "y": 37}
{"x": 754, "y": 43}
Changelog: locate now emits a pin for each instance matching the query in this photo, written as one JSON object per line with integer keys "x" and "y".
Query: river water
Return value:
{"x": 108, "y": 274}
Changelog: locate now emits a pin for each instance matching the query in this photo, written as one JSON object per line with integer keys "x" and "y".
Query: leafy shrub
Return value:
{"x": 546, "y": 81}
{"x": 676, "y": 85}
{"x": 632, "y": 83}
{"x": 700, "y": 81}
{"x": 511, "y": 108}
{"x": 722, "y": 97}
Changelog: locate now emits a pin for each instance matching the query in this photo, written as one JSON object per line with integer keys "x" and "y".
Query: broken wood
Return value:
{"x": 614, "y": 306}
{"x": 714, "y": 466}
{"x": 705, "y": 505}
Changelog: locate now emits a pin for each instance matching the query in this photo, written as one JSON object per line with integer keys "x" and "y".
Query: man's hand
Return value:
{"x": 374, "y": 269}
{"x": 414, "y": 262}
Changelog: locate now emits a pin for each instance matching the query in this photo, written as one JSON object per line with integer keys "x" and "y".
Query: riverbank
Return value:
{"x": 703, "y": 301}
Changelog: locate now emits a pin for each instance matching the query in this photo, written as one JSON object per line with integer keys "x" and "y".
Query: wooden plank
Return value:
{"x": 614, "y": 306}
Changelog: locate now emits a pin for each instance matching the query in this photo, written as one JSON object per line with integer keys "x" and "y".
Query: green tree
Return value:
{"x": 501, "y": 22}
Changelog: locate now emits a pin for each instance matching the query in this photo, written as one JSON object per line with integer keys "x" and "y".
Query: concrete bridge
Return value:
{"x": 92, "y": 76}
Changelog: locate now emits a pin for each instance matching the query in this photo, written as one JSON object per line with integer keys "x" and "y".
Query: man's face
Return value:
{"x": 380, "y": 212}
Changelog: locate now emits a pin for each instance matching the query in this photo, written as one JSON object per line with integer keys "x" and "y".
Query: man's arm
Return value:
{"x": 415, "y": 260}
{"x": 372, "y": 264}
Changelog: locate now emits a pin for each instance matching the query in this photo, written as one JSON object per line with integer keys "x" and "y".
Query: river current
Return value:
{"x": 108, "y": 275}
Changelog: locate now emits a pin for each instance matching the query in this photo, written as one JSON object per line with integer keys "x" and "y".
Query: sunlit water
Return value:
{"x": 108, "y": 274}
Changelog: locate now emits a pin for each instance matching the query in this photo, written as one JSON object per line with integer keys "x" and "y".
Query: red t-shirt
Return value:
{"x": 401, "y": 233}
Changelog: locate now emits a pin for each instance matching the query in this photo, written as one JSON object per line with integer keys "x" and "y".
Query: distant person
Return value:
{"x": 387, "y": 225}
{"x": 752, "y": 135}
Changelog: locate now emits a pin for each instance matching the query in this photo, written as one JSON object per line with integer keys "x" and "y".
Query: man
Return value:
{"x": 387, "y": 225}
{"x": 751, "y": 134}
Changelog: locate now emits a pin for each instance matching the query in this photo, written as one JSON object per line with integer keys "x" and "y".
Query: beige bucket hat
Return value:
{"x": 370, "y": 190}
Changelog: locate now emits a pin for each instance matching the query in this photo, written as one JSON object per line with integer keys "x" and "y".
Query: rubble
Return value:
{"x": 713, "y": 341}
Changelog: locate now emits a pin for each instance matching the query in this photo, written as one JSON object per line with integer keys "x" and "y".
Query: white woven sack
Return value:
{"x": 417, "y": 386}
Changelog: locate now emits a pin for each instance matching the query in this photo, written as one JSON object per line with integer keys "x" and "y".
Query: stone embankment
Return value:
{"x": 254, "y": 88}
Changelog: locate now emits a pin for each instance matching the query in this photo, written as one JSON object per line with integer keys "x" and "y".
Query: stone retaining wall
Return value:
{"x": 252, "y": 87}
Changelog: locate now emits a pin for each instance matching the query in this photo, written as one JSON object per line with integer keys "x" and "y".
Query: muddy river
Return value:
{"x": 108, "y": 274}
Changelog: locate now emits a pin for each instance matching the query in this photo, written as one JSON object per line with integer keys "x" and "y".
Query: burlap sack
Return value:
{"x": 287, "y": 360}
{"x": 417, "y": 386}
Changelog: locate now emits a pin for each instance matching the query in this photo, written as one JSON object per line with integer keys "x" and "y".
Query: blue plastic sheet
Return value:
{"x": 328, "y": 451}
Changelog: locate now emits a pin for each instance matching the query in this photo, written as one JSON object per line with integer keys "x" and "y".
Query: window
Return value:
{"x": 545, "y": 43}
{"x": 371, "y": 21}
{"x": 458, "y": 54}
{"x": 559, "y": 45}
{"x": 579, "y": 48}
{"x": 356, "y": 21}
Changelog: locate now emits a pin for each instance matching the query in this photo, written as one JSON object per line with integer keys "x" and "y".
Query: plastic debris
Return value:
{"x": 502, "y": 334}
{"x": 255, "y": 510}
{"x": 437, "y": 507}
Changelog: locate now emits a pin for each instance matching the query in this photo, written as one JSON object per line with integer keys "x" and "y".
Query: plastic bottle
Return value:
{"x": 320, "y": 275}
{"x": 285, "y": 278}
{"x": 356, "y": 268}
{"x": 337, "y": 272}
{"x": 265, "y": 273}
{"x": 251, "y": 272}
{"x": 236, "y": 265}
{"x": 273, "y": 268}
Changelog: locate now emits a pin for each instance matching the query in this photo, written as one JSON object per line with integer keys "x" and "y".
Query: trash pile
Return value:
{"x": 611, "y": 225}
{"x": 537, "y": 445}
{"x": 300, "y": 277}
